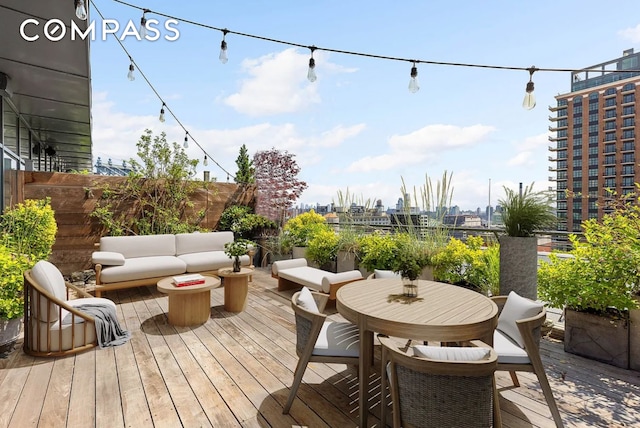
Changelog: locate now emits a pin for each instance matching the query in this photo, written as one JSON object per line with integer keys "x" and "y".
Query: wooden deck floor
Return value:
{"x": 236, "y": 369}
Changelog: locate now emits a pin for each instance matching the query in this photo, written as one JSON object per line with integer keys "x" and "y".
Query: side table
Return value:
{"x": 236, "y": 288}
{"x": 191, "y": 304}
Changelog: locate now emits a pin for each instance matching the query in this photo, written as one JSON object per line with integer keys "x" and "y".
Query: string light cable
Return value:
{"x": 135, "y": 66}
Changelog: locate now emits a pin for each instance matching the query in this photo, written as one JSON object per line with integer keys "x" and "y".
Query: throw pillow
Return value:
{"x": 516, "y": 308}
{"x": 306, "y": 301}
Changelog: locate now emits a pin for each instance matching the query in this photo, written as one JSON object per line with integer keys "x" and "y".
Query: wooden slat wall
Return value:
{"x": 78, "y": 232}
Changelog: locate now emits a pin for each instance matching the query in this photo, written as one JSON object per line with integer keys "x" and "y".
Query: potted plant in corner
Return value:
{"x": 523, "y": 213}
{"x": 597, "y": 285}
{"x": 27, "y": 234}
{"x": 237, "y": 248}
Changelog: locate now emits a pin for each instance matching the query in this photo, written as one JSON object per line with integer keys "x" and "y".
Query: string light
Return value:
{"x": 186, "y": 140}
{"x": 413, "y": 81}
{"x": 311, "y": 74}
{"x": 143, "y": 25}
{"x": 81, "y": 9}
{"x": 223, "y": 48}
{"x": 161, "y": 118}
{"x": 130, "y": 74}
{"x": 529, "y": 100}
{"x": 206, "y": 161}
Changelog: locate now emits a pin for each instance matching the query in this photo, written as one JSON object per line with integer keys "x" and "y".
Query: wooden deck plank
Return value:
{"x": 236, "y": 370}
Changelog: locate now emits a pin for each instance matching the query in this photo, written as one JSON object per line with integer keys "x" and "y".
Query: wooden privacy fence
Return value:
{"x": 74, "y": 196}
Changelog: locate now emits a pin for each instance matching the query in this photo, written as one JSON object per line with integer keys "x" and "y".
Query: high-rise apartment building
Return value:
{"x": 594, "y": 144}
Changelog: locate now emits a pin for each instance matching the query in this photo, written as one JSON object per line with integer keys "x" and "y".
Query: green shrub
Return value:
{"x": 411, "y": 256}
{"x": 12, "y": 283}
{"x": 323, "y": 247}
{"x": 302, "y": 228}
{"x": 377, "y": 251}
{"x": 244, "y": 223}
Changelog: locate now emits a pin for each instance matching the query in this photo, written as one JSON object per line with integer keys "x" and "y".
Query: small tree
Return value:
{"x": 276, "y": 174}
{"x": 246, "y": 172}
{"x": 156, "y": 198}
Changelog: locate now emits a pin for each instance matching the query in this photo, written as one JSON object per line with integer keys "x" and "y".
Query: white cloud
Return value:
{"x": 521, "y": 159}
{"x": 422, "y": 145}
{"x": 277, "y": 83}
{"x": 632, "y": 34}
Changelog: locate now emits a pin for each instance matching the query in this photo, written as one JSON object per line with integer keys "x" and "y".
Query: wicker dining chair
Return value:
{"x": 452, "y": 387}
{"x": 319, "y": 340}
{"x": 517, "y": 342}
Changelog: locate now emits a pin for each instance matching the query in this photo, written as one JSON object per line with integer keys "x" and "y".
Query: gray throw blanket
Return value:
{"x": 108, "y": 330}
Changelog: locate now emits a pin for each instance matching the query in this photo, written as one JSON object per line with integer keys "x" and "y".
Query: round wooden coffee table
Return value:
{"x": 191, "y": 304}
{"x": 236, "y": 288}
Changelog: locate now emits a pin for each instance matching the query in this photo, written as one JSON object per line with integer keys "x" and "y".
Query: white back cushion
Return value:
{"x": 380, "y": 273}
{"x": 49, "y": 277}
{"x": 450, "y": 353}
{"x": 187, "y": 243}
{"x": 516, "y": 308}
{"x": 306, "y": 301}
{"x": 140, "y": 246}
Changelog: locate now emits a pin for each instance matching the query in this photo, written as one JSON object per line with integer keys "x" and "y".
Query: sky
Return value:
{"x": 357, "y": 128}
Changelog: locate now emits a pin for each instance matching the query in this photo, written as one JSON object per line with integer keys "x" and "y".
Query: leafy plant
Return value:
{"x": 156, "y": 197}
{"x": 302, "y": 228}
{"x": 377, "y": 251}
{"x": 411, "y": 256}
{"x": 244, "y": 223}
{"x": 28, "y": 233}
{"x": 323, "y": 247}
{"x": 238, "y": 247}
{"x": 601, "y": 272}
{"x": 246, "y": 171}
{"x": 525, "y": 212}
{"x": 277, "y": 245}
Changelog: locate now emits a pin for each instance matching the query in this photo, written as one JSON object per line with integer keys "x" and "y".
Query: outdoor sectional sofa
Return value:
{"x": 295, "y": 273}
{"x": 132, "y": 261}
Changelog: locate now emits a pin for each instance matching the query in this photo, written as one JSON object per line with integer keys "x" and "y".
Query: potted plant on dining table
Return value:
{"x": 411, "y": 257}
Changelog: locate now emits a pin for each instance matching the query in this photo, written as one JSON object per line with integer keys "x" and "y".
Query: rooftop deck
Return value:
{"x": 236, "y": 369}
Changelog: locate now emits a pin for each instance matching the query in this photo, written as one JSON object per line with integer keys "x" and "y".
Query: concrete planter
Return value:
{"x": 634, "y": 338}
{"x": 9, "y": 333}
{"x": 519, "y": 266}
{"x": 600, "y": 338}
{"x": 346, "y": 261}
{"x": 299, "y": 252}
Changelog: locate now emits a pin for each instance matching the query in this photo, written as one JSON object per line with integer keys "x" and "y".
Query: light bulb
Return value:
{"x": 413, "y": 82}
{"x": 130, "y": 75}
{"x": 529, "y": 100}
{"x": 81, "y": 10}
{"x": 161, "y": 118}
{"x": 143, "y": 27}
{"x": 223, "y": 52}
{"x": 206, "y": 161}
{"x": 311, "y": 74}
{"x": 186, "y": 142}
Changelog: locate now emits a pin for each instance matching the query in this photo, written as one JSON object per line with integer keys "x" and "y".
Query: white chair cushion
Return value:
{"x": 508, "y": 351}
{"x": 516, "y": 308}
{"x": 445, "y": 353}
{"x": 306, "y": 301}
{"x": 49, "y": 278}
{"x": 107, "y": 258}
{"x": 281, "y": 265}
{"x": 380, "y": 273}
{"x": 68, "y": 316}
{"x": 187, "y": 243}
{"x": 338, "y": 339}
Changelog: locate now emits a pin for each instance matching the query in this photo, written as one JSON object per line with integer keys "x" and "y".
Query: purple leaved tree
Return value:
{"x": 276, "y": 174}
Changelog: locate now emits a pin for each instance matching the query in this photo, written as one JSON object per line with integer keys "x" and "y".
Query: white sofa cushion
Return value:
{"x": 49, "y": 278}
{"x": 187, "y": 243}
{"x": 508, "y": 351}
{"x": 516, "y": 308}
{"x": 107, "y": 258}
{"x": 380, "y": 273}
{"x": 209, "y": 260}
{"x": 140, "y": 246}
{"x": 143, "y": 267}
{"x": 338, "y": 339}
{"x": 306, "y": 301}
{"x": 276, "y": 267}
{"x": 305, "y": 275}
{"x": 446, "y": 353}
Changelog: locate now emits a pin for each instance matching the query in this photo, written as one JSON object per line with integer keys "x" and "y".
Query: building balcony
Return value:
{"x": 609, "y": 107}
{"x": 628, "y": 103}
{"x": 556, "y": 128}
{"x": 552, "y": 159}
{"x": 607, "y": 119}
{"x": 556, "y": 138}
{"x": 632, "y": 125}
{"x": 623, "y": 115}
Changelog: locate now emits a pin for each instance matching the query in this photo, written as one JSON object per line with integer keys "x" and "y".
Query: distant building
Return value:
{"x": 109, "y": 168}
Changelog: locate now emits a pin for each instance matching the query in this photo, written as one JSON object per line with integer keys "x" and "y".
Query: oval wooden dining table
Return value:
{"x": 441, "y": 312}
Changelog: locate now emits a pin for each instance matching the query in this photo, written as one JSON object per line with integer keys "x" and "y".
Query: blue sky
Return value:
{"x": 358, "y": 128}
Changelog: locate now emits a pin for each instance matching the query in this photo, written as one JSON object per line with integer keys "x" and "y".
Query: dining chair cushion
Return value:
{"x": 381, "y": 273}
{"x": 306, "y": 301}
{"x": 508, "y": 351}
{"x": 450, "y": 353}
{"x": 338, "y": 339}
{"x": 516, "y": 308}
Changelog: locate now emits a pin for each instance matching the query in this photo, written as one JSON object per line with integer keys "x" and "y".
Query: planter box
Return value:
{"x": 299, "y": 252}
{"x": 519, "y": 266}
{"x": 599, "y": 338}
{"x": 634, "y": 338}
{"x": 345, "y": 261}
{"x": 9, "y": 333}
